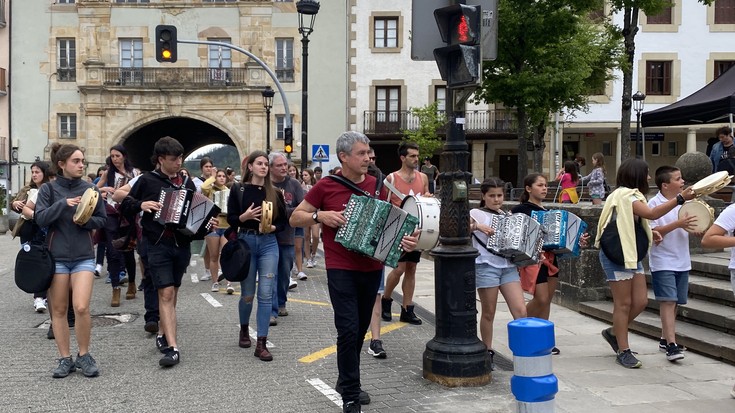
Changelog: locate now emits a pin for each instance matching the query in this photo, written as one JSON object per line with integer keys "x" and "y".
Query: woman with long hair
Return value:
{"x": 493, "y": 273}
{"x": 311, "y": 233}
{"x": 596, "y": 179}
{"x": 27, "y": 228}
{"x": 628, "y": 204}
{"x": 73, "y": 250}
{"x": 215, "y": 240}
{"x": 120, "y": 264}
{"x": 244, "y": 213}
{"x": 568, "y": 179}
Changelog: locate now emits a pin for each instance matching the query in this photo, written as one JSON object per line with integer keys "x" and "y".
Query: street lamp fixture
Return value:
{"x": 638, "y": 100}
{"x": 307, "y": 10}
{"x": 268, "y": 94}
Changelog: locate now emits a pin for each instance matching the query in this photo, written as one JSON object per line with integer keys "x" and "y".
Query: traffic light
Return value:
{"x": 166, "y": 44}
{"x": 460, "y": 26}
{"x": 288, "y": 140}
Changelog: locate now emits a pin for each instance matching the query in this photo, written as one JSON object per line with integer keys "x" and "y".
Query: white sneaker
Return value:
{"x": 301, "y": 276}
{"x": 230, "y": 289}
{"x": 206, "y": 277}
{"x": 292, "y": 284}
{"x": 309, "y": 263}
{"x": 39, "y": 304}
{"x": 215, "y": 287}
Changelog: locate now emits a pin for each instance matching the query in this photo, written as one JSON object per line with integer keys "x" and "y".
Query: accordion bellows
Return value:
{"x": 517, "y": 237}
{"x": 185, "y": 210}
{"x": 374, "y": 228}
{"x": 563, "y": 231}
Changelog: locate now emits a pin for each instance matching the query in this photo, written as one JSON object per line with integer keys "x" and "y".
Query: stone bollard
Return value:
{"x": 533, "y": 384}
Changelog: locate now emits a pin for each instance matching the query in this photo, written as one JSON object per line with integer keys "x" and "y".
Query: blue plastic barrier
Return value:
{"x": 533, "y": 383}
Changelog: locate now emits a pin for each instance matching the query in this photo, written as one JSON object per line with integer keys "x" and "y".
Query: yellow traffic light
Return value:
{"x": 288, "y": 148}
{"x": 166, "y": 54}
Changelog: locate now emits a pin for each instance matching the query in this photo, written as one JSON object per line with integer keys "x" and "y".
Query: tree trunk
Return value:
{"x": 522, "y": 151}
{"x": 630, "y": 29}
{"x": 539, "y": 133}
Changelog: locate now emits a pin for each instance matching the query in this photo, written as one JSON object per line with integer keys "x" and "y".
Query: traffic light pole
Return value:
{"x": 287, "y": 118}
{"x": 455, "y": 356}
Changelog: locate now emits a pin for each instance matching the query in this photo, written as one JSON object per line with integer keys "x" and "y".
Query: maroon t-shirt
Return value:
{"x": 328, "y": 195}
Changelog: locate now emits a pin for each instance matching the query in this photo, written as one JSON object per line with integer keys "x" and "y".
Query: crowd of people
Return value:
{"x": 307, "y": 209}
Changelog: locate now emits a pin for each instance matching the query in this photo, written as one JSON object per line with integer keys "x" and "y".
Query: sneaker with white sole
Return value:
{"x": 663, "y": 346}
{"x": 215, "y": 287}
{"x": 301, "y": 276}
{"x": 673, "y": 352}
{"x": 310, "y": 263}
{"x": 39, "y": 304}
{"x": 292, "y": 284}
{"x": 230, "y": 289}
{"x": 376, "y": 349}
{"x": 206, "y": 277}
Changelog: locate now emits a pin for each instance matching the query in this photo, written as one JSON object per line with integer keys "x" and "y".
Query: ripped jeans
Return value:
{"x": 264, "y": 262}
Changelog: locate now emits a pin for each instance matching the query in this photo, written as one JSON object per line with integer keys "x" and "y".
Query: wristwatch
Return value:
{"x": 680, "y": 199}
{"x": 315, "y": 216}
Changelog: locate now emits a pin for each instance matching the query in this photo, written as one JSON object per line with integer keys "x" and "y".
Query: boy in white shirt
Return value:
{"x": 669, "y": 260}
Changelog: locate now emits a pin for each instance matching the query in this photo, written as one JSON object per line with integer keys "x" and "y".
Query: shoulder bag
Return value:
{"x": 234, "y": 259}
{"x": 613, "y": 248}
{"x": 34, "y": 264}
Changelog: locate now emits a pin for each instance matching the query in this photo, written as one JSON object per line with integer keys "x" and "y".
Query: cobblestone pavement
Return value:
{"x": 215, "y": 374}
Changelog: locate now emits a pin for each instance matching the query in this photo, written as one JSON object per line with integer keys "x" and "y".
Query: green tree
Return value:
{"x": 550, "y": 56}
{"x": 630, "y": 10}
{"x": 429, "y": 121}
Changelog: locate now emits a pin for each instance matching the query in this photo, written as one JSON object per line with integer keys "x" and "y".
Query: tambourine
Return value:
{"x": 85, "y": 209}
{"x": 266, "y": 217}
{"x": 705, "y": 215}
{"x": 712, "y": 183}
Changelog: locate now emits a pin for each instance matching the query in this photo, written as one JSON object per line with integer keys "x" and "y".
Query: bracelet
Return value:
{"x": 680, "y": 199}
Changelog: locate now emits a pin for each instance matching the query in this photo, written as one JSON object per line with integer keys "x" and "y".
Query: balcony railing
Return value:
{"x": 3, "y": 83}
{"x": 476, "y": 121}
{"x": 176, "y": 76}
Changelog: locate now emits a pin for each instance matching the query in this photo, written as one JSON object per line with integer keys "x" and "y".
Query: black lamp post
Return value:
{"x": 638, "y": 99}
{"x": 307, "y": 10}
{"x": 268, "y": 94}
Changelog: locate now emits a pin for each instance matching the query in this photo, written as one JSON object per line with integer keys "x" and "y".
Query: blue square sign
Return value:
{"x": 320, "y": 153}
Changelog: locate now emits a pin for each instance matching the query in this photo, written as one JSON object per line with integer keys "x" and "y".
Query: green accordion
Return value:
{"x": 374, "y": 228}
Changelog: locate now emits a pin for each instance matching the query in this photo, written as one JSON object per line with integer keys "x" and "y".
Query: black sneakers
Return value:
{"x": 170, "y": 358}
{"x": 376, "y": 349}
{"x": 408, "y": 316}
{"x": 151, "y": 327}
{"x": 66, "y": 366}
{"x": 351, "y": 407}
{"x": 664, "y": 346}
{"x": 87, "y": 365}
{"x": 610, "y": 338}
{"x": 626, "y": 359}
{"x": 385, "y": 314}
{"x": 673, "y": 352}
{"x": 364, "y": 396}
{"x": 161, "y": 344}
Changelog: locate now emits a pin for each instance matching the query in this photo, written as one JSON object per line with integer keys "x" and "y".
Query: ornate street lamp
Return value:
{"x": 268, "y": 94}
{"x": 307, "y": 10}
{"x": 638, "y": 99}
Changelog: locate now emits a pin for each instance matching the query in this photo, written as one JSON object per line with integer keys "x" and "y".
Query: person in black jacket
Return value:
{"x": 168, "y": 249}
{"x": 244, "y": 213}
{"x": 73, "y": 250}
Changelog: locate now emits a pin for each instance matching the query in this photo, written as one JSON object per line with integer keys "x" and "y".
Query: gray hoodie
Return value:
{"x": 67, "y": 241}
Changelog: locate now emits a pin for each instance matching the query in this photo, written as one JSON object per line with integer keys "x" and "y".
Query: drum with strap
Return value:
{"x": 266, "y": 217}
{"x": 427, "y": 210}
{"x": 86, "y": 206}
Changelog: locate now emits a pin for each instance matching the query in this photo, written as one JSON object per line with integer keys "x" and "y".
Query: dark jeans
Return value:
{"x": 115, "y": 260}
{"x": 280, "y": 287}
{"x": 150, "y": 293}
{"x": 101, "y": 252}
{"x": 353, "y": 295}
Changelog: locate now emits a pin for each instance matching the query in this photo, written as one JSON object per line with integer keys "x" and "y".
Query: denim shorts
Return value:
{"x": 487, "y": 276}
{"x": 670, "y": 285}
{"x": 72, "y": 267}
{"x": 217, "y": 232}
{"x": 615, "y": 272}
{"x": 381, "y": 287}
{"x": 299, "y": 232}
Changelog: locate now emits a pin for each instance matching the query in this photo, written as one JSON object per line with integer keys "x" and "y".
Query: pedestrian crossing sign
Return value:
{"x": 320, "y": 153}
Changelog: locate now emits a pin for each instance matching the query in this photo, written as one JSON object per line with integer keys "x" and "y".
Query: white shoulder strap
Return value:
{"x": 392, "y": 188}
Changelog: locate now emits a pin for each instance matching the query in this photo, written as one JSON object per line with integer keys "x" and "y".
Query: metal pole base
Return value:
{"x": 457, "y": 366}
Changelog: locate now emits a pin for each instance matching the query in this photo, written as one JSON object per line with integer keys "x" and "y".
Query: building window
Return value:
{"x": 724, "y": 11}
{"x": 220, "y": 62}
{"x": 386, "y": 32}
{"x": 132, "y": 1}
{"x": 655, "y": 149}
{"x": 673, "y": 149}
{"x": 220, "y": 1}
{"x": 665, "y": 17}
{"x": 131, "y": 61}
{"x": 65, "y": 1}
{"x": 440, "y": 97}
{"x": 658, "y": 78}
{"x": 284, "y": 60}
{"x": 3, "y": 23}
{"x": 66, "y": 58}
{"x": 67, "y": 126}
{"x": 387, "y": 102}
{"x": 280, "y": 126}
{"x": 283, "y": 1}
{"x": 606, "y": 148}
{"x": 721, "y": 67}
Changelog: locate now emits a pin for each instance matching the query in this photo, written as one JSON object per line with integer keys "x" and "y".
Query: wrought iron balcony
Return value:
{"x": 155, "y": 77}
{"x": 476, "y": 121}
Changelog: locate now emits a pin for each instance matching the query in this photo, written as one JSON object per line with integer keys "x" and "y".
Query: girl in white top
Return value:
{"x": 493, "y": 272}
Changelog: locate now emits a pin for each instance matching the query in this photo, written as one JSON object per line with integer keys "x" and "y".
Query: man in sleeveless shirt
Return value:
{"x": 406, "y": 181}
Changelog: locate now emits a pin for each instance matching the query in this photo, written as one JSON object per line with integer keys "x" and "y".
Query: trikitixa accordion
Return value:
{"x": 185, "y": 210}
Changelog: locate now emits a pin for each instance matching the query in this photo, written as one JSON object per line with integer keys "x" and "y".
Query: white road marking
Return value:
{"x": 194, "y": 278}
{"x": 211, "y": 300}
{"x": 326, "y": 390}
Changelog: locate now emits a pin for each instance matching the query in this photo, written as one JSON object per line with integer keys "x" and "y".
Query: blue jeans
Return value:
{"x": 264, "y": 262}
{"x": 280, "y": 287}
{"x": 352, "y": 294}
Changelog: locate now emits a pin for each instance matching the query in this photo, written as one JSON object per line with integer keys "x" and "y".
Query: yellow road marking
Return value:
{"x": 333, "y": 349}
{"x": 309, "y": 302}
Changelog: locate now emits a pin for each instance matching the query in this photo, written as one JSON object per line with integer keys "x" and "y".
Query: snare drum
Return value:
{"x": 705, "y": 215}
{"x": 266, "y": 217}
{"x": 85, "y": 208}
{"x": 427, "y": 210}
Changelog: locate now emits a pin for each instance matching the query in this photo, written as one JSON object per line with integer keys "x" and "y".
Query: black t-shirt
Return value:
{"x": 527, "y": 208}
{"x": 727, "y": 159}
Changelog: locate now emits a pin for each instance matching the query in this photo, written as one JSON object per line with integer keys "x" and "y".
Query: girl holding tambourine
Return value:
{"x": 72, "y": 247}
{"x": 215, "y": 240}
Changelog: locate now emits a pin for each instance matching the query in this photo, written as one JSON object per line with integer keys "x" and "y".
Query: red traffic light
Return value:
{"x": 459, "y": 24}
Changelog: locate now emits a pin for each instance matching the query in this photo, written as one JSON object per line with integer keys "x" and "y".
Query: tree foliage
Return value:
{"x": 550, "y": 56}
{"x": 430, "y": 121}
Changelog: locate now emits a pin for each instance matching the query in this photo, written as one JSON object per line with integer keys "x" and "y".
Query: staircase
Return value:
{"x": 706, "y": 324}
